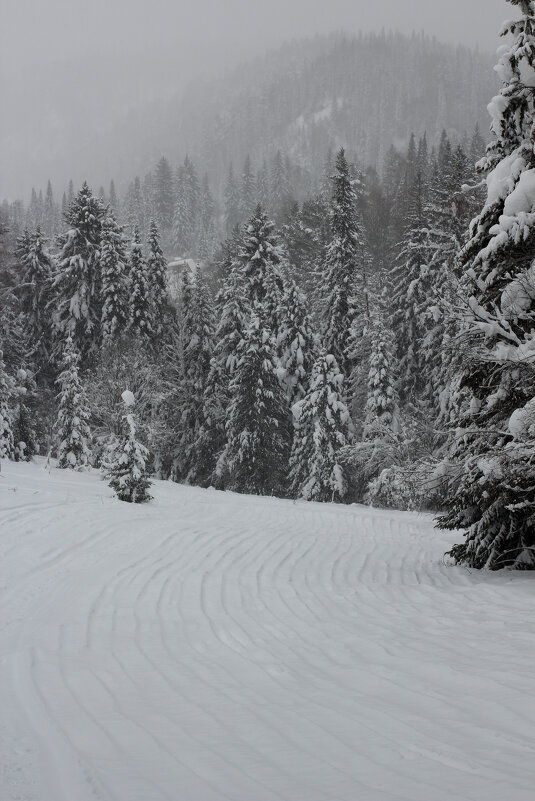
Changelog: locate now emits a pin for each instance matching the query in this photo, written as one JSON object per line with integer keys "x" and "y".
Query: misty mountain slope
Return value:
{"x": 364, "y": 92}
{"x": 211, "y": 646}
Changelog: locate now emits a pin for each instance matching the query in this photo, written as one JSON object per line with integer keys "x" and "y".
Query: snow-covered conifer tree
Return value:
{"x": 233, "y": 317}
{"x": 128, "y": 472}
{"x": 413, "y": 256}
{"x": 7, "y": 448}
{"x": 72, "y": 423}
{"x": 449, "y": 212}
{"x": 295, "y": 342}
{"x": 323, "y": 429}
{"x": 77, "y": 284}
{"x": 258, "y": 424}
{"x": 139, "y": 315}
{"x": 260, "y": 257}
{"x": 113, "y": 262}
{"x": 134, "y": 207}
{"x": 38, "y": 267}
{"x": 196, "y": 334}
{"x": 157, "y": 278}
{"x": 491, "y": 493}
{"x": 380, "y": 444}
{"x": 343, "y": 270}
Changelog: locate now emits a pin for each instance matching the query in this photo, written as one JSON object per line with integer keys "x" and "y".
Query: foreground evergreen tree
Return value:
{"x": 157, "y": 279}
{"x": 258, "y": 425}
{"x": 24, "y": 433}
{"x": 413, "y": 255}
{"x": 260, "y": 258}
{"x": 128, "y": 474}
{"x": 25, "y": 420}
{"x": 380, "y": 444}
{"x": 343, "y": 271}
{"x": 72, "y": 423}
{"x": 113, "y": 263}
{"x": 196, "y": 345}
{"x": 139, "y": 314}
{"x": 492, "y": 483}
{"x": 323, "y": 429}
{"x": 233, "y": 314}
{"x": 7, "y": 447}
{"x": 295, "y": 342}
{"x": 77, "y": 284}
{"x": 38, "y": 268}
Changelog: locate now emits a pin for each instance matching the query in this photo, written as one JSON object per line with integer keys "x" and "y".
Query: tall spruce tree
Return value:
{"x": 139, "y": 316}
{"x": 24, "y": 432}
{"x": 449, "y": 213}
{"x": 134, "y": 207}
{"x": 258, "y": 424}
{"x": 72, "y": 426}
{"x": 7, "y": 447}
{"x": 113, "y": 265}
{"x": 343, "y": 269}
{"x": 260, "y": 257}
{"x": 157, "y": 278}
{"x": 380, "y": 443}
{"x": 323, "y": 429}
{"x": 77, "y": 284}
{"x": 492, "y": 489}
{"x": 233, "y": 316}
{"x": 295, "y": 342}
{"x": 196, "y": 333}
{"x": 38, "y": 267}
{"x": 413, "y": 256}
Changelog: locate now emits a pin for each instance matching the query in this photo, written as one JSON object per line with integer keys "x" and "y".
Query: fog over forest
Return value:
{"x": 73, "y": 73}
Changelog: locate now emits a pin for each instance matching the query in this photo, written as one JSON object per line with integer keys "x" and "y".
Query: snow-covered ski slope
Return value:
{"x": 213, "y": 647}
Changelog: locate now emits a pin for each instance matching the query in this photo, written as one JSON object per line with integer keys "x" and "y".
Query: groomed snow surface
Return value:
{"x": 209, "y": 646}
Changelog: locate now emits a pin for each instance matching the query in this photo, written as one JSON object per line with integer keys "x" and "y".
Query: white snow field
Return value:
{"x": 209, "y": 646}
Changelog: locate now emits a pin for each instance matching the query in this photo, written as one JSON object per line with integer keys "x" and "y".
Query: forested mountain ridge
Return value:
{"x": 362, "y": 91}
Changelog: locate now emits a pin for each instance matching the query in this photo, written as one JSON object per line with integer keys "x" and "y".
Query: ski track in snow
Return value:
{"x": 212, "y": 647}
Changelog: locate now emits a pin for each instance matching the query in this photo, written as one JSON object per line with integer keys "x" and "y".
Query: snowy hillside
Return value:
{"x": 211, "y": 646}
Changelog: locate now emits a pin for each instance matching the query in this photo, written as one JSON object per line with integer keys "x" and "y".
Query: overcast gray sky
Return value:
{"x": 40, "y": 30}
{"x": 61, "y": 57}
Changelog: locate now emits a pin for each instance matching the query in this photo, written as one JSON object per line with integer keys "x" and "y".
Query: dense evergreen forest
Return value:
{"x": 341, "y": 333}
